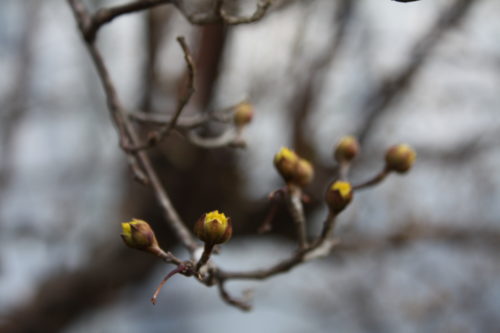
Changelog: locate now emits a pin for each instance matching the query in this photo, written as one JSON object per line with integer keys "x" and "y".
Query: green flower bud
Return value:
{"x": 338, "y": 196}
{"x": 400, "y": 158}
{"x": 213, "y": 228}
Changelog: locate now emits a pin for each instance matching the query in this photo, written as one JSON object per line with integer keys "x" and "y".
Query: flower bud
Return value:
{"x": 243, "y": 114}
{"x": 285, "y": 162}
{"x": 400, "y": 158}
{"x": 213, "y": 228}
{"x": 304, "y": 172}
{"x": 338, "y": 196}
{"x": 347, "y": 149}
{"x": 138, "y": 234}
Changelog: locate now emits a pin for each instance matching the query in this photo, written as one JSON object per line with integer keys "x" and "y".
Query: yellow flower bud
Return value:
{"x": 243, "y": 114}
{"x": 304, "y": 172}
{"x": 213, "y": 228}
{"x": 292, "y": 168}
{"x": 338, "y": 196}
{"x": 285, "y": 162}
{"x": 347, "y": 149}
{"x": 138, "y": 234}
{"x": 400, "y": 158}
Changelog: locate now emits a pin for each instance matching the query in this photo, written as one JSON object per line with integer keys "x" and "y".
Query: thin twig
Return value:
{"x": 156, "y": 137}
{"x": 168, "y": 257}
{"x": 228, "y": 138}
{"x": 241, "y": 304}
{"x": 113, "y": 102}
{"x": 161, "y": 119}
{"x": 178, "y": 269}
{"x": 294, "y": 203}
{"x": 191, "y": 83}
{"x": 128, "y": 132}
{"x": 328, "y": 226}
{"x": 378, "y": 178}
{"x": 207, "y": 250}
{"x": 105, "y": 15}
{"x": 274, "y": 197}
{"x": 343, "y": 170}
{"x": 224, "y": 115}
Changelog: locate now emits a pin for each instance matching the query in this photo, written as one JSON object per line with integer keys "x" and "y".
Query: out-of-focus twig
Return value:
{"x": 391, "y": 88}
{"x": 219, "y": 15}
{"x": 157, "y": 136}
{"x": 229, "y": 138}
{"x": 293, "y": 198}
{"x": 128, "y": 133}
{"x": 262, "y": 7}
{"x": 373, "y": 181}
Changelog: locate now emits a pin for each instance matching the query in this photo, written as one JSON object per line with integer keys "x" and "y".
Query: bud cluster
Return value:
{"x": 293, "y": 168}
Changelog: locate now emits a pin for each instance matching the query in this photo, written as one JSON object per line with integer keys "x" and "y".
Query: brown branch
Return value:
{"x": 241, "y": 304}
{"x": 224, "y": 115}
{"x": 176, "y": 270}
{"x": 328, "y": 227}
{"x": 106, "y": 15}
{"x": 205, "y": 256}
{"x": 128, "y": 133}
{"x": 293, "y": 198}
{"x": 156, "y": 137}
{"x": 191, "y": 76}
{"x": 321, "y": 247}
{"x": 168, "y": 257}
{"x": 229, "y": 138}
{"x": 185, "y": 122}
{"x": 343, "y": 170}
{"x": 114, "y": 105}
{"x": 377, "y": 179}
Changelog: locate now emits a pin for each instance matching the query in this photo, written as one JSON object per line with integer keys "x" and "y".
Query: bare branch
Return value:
{"x": 378, "y": 178}
{"x": 105, "y": 15}
{"x": 224, "y": 115}
{"x": 262, "y": 7}
{"x": 161, "y": 119}
{"x": 128, "y": 134}
{"x": 241, "y": 304}
{"x": 229, "y": 138}
{"x": 293, "y": 197}
{"x": 156, "y": 137}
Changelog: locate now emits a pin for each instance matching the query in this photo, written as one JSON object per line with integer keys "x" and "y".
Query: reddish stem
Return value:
{"x": 178, "y": 269}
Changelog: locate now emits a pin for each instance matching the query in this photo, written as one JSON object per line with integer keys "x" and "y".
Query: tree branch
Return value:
{"x": 128, "y": 133}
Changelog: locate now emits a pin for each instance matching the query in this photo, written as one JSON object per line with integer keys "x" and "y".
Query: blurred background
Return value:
{"x": 420, "y": 251}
